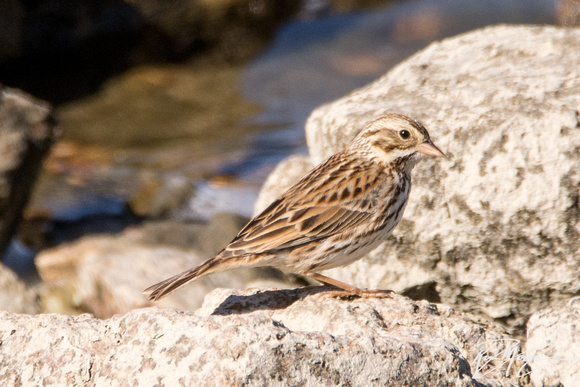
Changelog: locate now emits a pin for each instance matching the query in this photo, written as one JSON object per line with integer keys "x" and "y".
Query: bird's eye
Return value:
{"x": 404, "y": 134}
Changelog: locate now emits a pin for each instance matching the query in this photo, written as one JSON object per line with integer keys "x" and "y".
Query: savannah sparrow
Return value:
{"x": 337, "y": 213}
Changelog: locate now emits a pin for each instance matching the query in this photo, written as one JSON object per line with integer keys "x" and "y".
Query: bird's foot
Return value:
{"x": 361, "y": 293}
{"x": 346, "y": 291}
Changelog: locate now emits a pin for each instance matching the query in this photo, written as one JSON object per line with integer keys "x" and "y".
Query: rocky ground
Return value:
{"x": 257, "y": 337}
{"x": 488, "y": 248}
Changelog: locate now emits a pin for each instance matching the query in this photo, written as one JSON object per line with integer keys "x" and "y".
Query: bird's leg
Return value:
{"x": 336, "y": 283}
{"x": 347, "y": 290}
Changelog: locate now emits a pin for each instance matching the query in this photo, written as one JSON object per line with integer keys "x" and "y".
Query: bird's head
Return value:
{"x": 395, "y": 136}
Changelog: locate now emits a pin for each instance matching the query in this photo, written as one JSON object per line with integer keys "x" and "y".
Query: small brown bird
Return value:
{"x": 340, "y": 211}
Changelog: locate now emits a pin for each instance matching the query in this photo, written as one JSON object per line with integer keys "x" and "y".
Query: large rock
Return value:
{"x": 297, "y": 337}
{"x": 28, "y": 128}
{"x": 233, "y": 29}
{"x": 553, "y": 345}
{"x": 494, "y": 230}
{"x": 32, "y": 29}
{"x": 106, "y": 274}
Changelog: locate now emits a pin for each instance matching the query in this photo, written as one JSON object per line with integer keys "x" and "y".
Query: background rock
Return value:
{"x": 15, "y": 296}
{"x": 568, "y": 12}
{"x": 495, "y": 229}
{"x": 60, "y": 38}
{"x": 45, "y": 47}
{"x": 240, "y": 338}
{"x": 27, "y": 129}
{"x": 553, "y": 345}
{"x": 105, "y": 274}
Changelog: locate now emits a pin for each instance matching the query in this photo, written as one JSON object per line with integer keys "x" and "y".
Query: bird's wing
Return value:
{"x": 332, "y": 198}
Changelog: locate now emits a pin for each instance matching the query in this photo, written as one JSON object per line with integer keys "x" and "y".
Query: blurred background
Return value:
{"x": 179, "y": 109}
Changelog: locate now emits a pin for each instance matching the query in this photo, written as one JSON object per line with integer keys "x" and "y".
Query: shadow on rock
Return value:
{"x": 269, "y": 299}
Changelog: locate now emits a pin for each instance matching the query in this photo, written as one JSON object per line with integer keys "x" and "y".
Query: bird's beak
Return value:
{"x": 429, "y": 149}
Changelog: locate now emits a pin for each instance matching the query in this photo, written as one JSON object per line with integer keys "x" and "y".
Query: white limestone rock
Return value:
{"x": 277, "y": 337}
{"x": 495, "y": 229}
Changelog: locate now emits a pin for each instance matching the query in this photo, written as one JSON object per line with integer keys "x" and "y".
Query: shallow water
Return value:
{"x": 188, "y": 140}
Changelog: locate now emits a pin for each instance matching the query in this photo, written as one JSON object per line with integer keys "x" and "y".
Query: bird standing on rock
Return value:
{"x": 337, "y": 213}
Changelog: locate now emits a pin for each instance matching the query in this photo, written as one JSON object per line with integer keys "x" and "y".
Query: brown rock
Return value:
{"x": 568, "y": 13}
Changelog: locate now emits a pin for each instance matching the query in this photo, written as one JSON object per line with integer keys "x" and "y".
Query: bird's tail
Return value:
{"x": 213, "y": 265}
{"x": 165, "y": 287}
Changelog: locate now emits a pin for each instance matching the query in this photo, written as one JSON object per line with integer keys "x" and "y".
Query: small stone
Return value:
{"x": 553, "y": 346}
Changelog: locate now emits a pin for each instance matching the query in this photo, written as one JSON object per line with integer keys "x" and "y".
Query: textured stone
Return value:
{"x": 495, "y": 229}
{"x": 281, "y": 337}
{"x": 553, "y": 345}
{"x": 27, "y": 129}
{"x": 15, "y": 296}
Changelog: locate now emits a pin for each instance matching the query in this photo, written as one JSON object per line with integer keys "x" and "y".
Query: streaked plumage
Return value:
{"x": 337, "y": 213}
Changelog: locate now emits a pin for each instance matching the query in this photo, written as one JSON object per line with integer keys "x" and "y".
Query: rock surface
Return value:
{"x": 495, "y": 229}
{"x": 291, "y": 337}
{"x": 105, "y": 275}
{"x": 15, "y": 296}
{"x": 27, "y": 129}
{"x": 553, "y": 345}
